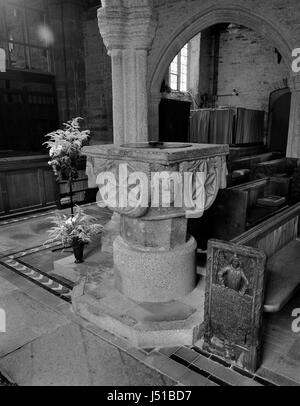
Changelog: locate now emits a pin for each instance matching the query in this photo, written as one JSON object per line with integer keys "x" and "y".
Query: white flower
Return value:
{"x": 55, "y": 150}
{"x": 77, "y": 143}
{"x": 70, "y": 221}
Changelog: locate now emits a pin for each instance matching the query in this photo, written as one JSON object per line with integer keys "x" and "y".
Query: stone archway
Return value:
{"x": 142, "y": 37}
{"x": 280, "y": 84}
{"x": 161, "y": 57}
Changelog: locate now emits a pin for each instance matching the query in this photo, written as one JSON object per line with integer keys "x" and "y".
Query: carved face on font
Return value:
{"x": 236, "y": 263}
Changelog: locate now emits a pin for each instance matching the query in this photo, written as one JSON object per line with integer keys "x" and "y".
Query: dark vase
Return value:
{"x": 78, "y": 247}
{"x": 63, "y": 177}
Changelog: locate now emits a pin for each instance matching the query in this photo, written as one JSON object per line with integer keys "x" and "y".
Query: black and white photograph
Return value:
{"x": 149, "y": 196}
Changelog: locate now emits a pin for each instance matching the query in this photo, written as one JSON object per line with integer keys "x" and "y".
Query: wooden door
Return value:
{"x": 279, "y": 119}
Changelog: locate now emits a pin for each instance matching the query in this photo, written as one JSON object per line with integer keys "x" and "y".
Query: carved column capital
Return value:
{"x": 127, "y": 24}
{"x": 128, "y": 28}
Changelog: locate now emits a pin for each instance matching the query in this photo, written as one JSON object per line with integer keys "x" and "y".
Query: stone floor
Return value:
{"x": 47, "y": 344}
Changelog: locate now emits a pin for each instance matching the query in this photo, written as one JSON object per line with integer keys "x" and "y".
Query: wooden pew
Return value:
{"x": 283, "y": 166}
{"x": 240, "y": 168}
{"x": 249, "y": 162}
{"x": 236, "y": 152}
{"x": 236, "y": 209}
{"x": 278, "y": 239}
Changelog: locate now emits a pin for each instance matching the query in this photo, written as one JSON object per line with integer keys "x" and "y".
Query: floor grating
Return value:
{"x": 223, "y": 364}
{"x": 20, "y": 218}
{"x": 24, "y": 253}
{"x": 48, "y": 282}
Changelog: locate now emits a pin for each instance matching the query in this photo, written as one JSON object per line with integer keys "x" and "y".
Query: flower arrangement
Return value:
{"x": 69, "y": 230}
{"x": 74, "y": 231}
{"x": 65, "y": 149}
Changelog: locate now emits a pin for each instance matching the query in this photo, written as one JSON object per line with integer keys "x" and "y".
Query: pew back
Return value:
{"x": 273, "y": 234}
{"x": 235, "y": 208}
{"x": 249, "y": 161}
{"x": 270, "y": 168}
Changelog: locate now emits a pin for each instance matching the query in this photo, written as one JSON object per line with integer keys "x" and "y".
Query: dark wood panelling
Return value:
{"x": 28, "y": 110}
{"x": 23, "y": 189}
{"x": 26, "y": 184}
{"x": 174, "y": 120}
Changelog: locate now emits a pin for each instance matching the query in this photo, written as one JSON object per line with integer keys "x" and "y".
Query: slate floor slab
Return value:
{"x": 6, "y": 287}
{"x": 73, "y": 356}
{"x": 26, "y": 320}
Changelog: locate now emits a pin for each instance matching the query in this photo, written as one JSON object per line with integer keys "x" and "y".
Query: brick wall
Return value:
{"x": 249, "y": 64}
{"x": 178, "y": 18}
{"x": 239, "y": 59}
{"x": 98, "y": 82}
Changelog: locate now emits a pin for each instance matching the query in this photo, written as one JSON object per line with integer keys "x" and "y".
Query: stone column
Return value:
{"x": 154, "y": 114}
{"x": 293, "y": 148}
{"x": 128, "y": 28}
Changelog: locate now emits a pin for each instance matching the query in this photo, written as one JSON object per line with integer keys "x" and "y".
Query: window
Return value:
{"x": 23, "y": 34}
{"x": 178, "y": 71}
